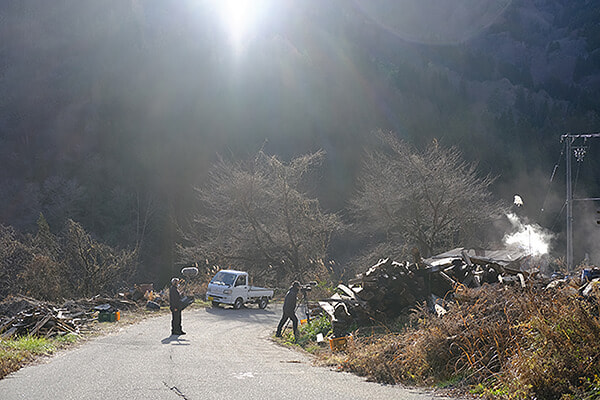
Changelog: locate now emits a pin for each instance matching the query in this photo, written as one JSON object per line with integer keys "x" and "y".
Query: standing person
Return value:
{"x": 289, "y": 309}
{"x": 176, "y": 306}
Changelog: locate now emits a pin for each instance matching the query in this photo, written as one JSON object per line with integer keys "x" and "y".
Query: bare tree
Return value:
{"x": 14, "y": 256}
{"x": 256, "y": 216}
{"x": 433, "y": 200}
{"x": 44, "y": 276}
{"x": 94, "y": 267}
{"x": 144, "y": 212}
{"x": 69, "y": 265}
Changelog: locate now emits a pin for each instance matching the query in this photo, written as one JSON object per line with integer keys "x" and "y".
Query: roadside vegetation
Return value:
{"x": 16, "y": 352}
{"x": 494, "y": 343}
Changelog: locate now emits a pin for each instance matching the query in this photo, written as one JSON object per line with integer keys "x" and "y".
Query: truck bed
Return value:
{"x": 255, "y": 291}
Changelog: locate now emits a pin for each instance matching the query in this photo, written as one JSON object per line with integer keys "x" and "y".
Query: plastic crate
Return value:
{"x": 108, "y": 316}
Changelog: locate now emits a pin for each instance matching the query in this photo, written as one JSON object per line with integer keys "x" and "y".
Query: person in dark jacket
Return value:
{"x": 289, "y": 309}
{"x": 176, "y": 306}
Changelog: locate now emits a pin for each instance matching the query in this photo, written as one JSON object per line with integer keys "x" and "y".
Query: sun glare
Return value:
{"x": 238, "y": 18}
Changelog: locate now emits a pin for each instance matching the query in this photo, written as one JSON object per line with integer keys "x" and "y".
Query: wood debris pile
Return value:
{"x": 390, "y": 288}
{"x": 21, "y": 315}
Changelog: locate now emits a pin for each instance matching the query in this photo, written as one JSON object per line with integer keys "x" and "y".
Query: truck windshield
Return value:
{"x": 223, "y": 278}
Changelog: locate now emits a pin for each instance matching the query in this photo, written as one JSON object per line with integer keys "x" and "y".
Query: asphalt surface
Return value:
{"x": 226, "y": 354}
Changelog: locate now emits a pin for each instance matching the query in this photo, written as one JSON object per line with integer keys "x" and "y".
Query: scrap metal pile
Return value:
{"x": 390, "y": 288}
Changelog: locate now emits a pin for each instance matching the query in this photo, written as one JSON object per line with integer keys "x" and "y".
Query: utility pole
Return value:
{"x": 578, "y": 152}
{"x": 569, "y": 156}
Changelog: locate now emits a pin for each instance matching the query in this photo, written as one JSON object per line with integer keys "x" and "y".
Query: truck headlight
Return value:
{"x": 227, "y": 291}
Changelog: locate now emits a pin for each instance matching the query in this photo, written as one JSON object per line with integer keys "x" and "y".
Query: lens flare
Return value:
{"x": 238, "y": 18}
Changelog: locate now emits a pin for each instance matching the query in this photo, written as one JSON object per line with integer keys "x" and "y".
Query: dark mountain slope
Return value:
{"x": 114, "y": 109}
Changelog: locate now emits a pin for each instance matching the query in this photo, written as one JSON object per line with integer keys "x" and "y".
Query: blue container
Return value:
{"x": 588, "y": 275}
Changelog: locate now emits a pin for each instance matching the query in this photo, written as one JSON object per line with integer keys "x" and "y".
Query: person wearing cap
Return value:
{"x": 289, "y": 309}
{"x": 176, "y": 306}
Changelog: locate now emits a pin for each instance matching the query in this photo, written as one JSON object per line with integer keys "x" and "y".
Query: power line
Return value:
{"x": 579, "y": 153}
{"x": 562, "y": 151}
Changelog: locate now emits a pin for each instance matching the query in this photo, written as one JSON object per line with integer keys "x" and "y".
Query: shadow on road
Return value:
{"x": 241, "y": 313}
{"x": 250, "y": 314}
{"x": 175, "y": 338}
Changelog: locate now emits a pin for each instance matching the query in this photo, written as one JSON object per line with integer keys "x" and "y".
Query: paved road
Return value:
{"x": 227, "y": 354}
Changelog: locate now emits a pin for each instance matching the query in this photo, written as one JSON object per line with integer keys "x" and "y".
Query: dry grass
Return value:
{"x": 500, "y": 343}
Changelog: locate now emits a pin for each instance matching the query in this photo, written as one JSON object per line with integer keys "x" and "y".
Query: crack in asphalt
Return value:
{"x": 175, "y": 390}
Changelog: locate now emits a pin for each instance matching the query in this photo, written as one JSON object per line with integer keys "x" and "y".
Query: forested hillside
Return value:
{"x": 112, "y": 112}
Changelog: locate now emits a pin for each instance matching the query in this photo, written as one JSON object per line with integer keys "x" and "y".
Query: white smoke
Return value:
{"x": 531, "y": 238}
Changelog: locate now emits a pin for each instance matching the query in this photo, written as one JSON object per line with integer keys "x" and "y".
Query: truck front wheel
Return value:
{"x": 215, "y": 303}
{"x": 262, "y": 303}
{"x": 239, "y": 302}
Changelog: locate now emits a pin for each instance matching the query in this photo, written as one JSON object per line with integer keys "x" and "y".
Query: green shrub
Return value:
{"x": 309, "y": 331}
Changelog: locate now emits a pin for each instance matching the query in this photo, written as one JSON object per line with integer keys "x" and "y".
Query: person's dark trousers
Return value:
{"x": 176, "y": 322}
{"x": 284, "y": 319}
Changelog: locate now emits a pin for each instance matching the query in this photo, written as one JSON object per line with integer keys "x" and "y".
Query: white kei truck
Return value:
{"x": 233, "y": 287}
